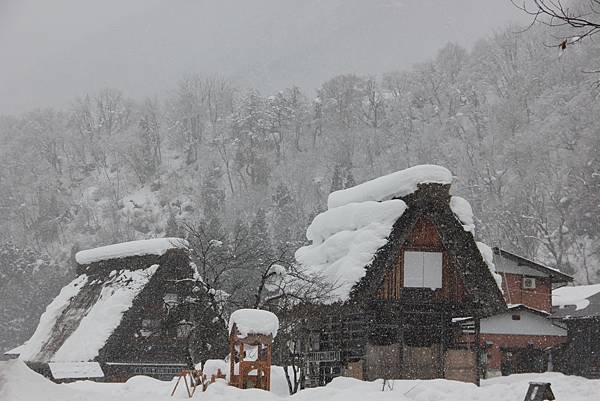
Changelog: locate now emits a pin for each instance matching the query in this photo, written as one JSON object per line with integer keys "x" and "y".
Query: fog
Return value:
{"x": 54, "y": 51}
{"x": 298, "y": 148}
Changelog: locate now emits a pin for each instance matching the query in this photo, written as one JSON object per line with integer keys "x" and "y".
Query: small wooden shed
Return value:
{"x": 251, "y": 333}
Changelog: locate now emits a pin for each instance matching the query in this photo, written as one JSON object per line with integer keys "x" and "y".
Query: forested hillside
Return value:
{"x": 515, "y": 121}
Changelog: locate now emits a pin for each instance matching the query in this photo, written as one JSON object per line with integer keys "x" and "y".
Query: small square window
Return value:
{"x": 516, "y": 317}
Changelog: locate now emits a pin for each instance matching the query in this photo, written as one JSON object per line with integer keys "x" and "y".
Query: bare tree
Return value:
{"x": 584, "y": 16}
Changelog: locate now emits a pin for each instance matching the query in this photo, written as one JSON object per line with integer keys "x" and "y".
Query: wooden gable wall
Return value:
{"x": 424, "y": 237}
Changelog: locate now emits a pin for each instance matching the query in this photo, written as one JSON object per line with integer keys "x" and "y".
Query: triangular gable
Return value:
{"x": 432, "y": 203}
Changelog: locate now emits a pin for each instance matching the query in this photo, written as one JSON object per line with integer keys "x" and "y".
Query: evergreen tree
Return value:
{"x": 285, "y": 221}
{"x": 28, "y": 282}
{"x": 213, "y": 197}
{"x": 349, "y": 179}
{"x": 337, "y": 181}
{"x": 261, "y": 239}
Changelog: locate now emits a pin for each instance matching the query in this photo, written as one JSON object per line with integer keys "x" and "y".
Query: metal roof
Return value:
{"x": 555, "y": 275}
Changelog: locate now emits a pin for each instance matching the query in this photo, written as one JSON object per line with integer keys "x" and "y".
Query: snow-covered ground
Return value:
{"x": 18, "y": 383}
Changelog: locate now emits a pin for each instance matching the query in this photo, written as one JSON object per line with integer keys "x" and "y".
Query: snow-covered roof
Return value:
{"x": 398, "y": 184}
{"x": 156, "y": 246}
{"x": 15, "y": 351}
{"x": 577, "y": 301}
{"x": 359, "y": 220}
{"x": 345, "y": 240}
{"x": 75, "y": 370}
{"x": 43, "y": 333}
{"x": 254, "y": 321}
{"x": 463, "y": 211}
{"x": 488, "y": 258}
{"x": 523, "y": 306}
{"x": 79, "y": 321}
{"x": 522, "y": 265}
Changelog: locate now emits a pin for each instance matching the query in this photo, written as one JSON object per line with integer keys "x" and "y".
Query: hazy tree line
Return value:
{"x": 242, "y": 174}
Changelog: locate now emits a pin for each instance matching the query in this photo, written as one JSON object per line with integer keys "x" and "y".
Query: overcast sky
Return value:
{"x": 52, "y": 51}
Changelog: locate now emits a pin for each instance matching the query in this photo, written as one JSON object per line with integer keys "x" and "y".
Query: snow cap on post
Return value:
{"x": 254, "y": 321}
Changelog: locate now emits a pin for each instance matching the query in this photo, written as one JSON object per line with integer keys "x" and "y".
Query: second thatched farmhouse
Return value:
{"x": 125, "y": 314}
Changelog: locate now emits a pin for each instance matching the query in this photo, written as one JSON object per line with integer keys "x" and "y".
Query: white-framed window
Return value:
{"x": 423, "y": 269}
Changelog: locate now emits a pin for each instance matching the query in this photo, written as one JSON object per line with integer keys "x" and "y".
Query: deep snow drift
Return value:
{"x": 18, "y": 383}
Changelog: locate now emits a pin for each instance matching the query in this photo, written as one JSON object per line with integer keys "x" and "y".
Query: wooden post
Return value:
{"x": 477, "y": 352}
{"x": 241, "y": 372}
{"x": 401, "y": 356}
{"x": 442, "y": 347}
{"x": 231, "y": 358}
{"x": 268, "y": 367}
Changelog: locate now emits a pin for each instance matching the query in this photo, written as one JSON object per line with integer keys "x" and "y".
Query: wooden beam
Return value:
{"x": 477, "y": 353}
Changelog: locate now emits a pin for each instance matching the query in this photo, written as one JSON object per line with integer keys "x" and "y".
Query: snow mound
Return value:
{"x": 212, "y": 366}
{"x": 254, "y": 321}
{"x": 156, "y": 246}
{"x": 463, "y": 211}
{"x": 19, "y": 383}
{"x": 345, "y": 240}
{"x": 488, "y": 257}
{"x": 398, "y": 184}
{"x": 576, "y": 295}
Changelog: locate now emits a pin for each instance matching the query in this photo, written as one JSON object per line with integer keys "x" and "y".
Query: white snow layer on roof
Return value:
{"x": 156, "y": 246}
{"x": 254, "y": 321}
{"x": 463, "y": 211}
{"x": 75, "y": 370}
{"x": 42, "y": 333}
{"x": 15, "y": 351}
{"x": 575, "y": 295}
{"x": 345, "y": 240}
{"x": 398, "y": 184}
{"x": 488, "y": 257}
{"x": 116, "y": 297}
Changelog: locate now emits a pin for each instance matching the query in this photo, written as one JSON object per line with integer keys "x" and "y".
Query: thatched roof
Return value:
{"x": 80, "y": 320}
{"x": 365, "y": 227}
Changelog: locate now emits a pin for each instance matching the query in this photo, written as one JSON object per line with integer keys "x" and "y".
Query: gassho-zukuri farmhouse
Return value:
{"x": 117, "y": 318}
